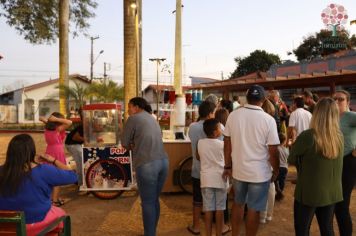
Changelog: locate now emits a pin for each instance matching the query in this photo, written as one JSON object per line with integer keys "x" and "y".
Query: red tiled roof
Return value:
{"x": 53, "y": 81}
{"x": 301, "y": 80}
{"x": 260, "y": 75}
{"x": 162, "y": 87}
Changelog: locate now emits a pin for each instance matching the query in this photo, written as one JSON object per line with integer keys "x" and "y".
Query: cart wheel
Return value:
{"x": 184, "y": 175}
{"x": 108, "y": 170}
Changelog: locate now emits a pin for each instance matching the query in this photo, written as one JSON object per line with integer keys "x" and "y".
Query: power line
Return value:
{"x": 21, "y": 70}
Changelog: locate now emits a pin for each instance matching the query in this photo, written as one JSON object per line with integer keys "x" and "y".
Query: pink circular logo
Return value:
{"x": 334, "y": 15}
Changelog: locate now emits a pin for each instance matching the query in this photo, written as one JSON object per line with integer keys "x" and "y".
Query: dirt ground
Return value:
{"x": 122, "y": 216}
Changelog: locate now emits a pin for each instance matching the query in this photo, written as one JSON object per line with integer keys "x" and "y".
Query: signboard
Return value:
{"x": 107, "y": 168}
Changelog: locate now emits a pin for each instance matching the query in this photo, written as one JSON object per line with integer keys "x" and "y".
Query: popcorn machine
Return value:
{"x": 107, "y": 169}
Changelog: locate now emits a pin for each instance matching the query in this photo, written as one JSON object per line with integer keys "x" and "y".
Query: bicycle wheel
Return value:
{"x": 184, "y": 175}
{"x": 106, "y": 173}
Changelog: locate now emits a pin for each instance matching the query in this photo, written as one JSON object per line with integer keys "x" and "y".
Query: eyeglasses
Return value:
{"x": 339, "y": 99}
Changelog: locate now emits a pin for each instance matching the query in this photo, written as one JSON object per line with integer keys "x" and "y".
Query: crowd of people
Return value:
{"x": 261, "y": 137}
{"x": 241, "y": 150}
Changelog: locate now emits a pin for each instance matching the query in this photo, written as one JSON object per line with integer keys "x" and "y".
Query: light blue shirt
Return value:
{"x": 195, "y": 133}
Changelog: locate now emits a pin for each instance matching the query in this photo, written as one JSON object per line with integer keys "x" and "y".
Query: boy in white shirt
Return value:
{"x": 213, "y": 185}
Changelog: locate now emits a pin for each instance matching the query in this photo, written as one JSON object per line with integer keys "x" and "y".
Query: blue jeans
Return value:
{"x": 150, "y": 179}
{"x": 281, "y": 179}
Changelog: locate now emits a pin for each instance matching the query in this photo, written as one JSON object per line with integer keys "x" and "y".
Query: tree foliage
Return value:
{"x": 96, "y": 92}
{"x": 321, "y": 44}
{"x": 38, "y": 20}
{"x": 105, "y": 92}
{"x": 258, "y": 60}
{"x": 78, "y": 93}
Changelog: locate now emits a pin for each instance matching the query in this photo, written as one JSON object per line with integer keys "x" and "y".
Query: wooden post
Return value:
{"x": 332, "y": 88}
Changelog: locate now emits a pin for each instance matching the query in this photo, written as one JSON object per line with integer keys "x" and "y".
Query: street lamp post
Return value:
{"x": 92, "y": 61}
{"x": 158, "y": 62}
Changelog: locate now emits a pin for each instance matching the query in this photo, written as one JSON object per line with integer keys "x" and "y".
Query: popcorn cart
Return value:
{"x": 107, "y": 166}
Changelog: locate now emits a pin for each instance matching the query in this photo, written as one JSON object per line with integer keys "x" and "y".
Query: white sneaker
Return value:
{"x": 269, "y": 218}
{"x": 263, "y": 221}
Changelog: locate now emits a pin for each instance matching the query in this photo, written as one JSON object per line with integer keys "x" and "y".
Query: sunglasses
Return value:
{"x": 339, "y": 99}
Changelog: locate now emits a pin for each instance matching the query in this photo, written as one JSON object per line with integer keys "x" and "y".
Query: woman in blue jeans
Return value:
{"x": 142, "y": 135}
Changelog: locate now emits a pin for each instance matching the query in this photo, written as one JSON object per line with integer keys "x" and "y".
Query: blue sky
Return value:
{"x": 214, "y": 33}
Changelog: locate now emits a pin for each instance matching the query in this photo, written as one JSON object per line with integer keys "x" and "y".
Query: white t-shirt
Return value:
{"x": 235, "y": 105}
{"x": 300, "y": 120}
{"x": 211, "y": 152}
{"x": 251, "y": 131}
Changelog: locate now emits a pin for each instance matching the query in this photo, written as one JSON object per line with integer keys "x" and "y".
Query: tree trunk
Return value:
{"x": 132, "y": 46}
{"x": 63, "y": 53}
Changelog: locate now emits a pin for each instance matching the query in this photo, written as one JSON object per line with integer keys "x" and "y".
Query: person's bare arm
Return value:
{"x": 274, "y": 160}
{"x": 64, "y": 122}
{"x": 291, "y": 135}
{"x": 227, "y": 157}
{"x": 49, "y": 159}
{"x": 43, "y": 119}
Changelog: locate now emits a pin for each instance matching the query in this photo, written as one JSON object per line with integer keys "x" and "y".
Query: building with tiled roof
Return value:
{"x": 26, "y": 104}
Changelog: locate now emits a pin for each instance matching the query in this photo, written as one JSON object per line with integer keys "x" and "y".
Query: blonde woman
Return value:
{"x": 348, "y": 128}
{"x": 317, "y": 154}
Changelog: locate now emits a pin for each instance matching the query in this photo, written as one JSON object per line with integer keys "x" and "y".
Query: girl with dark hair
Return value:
{"x": 26, "y": 184}
{"x": 55, "y": 135}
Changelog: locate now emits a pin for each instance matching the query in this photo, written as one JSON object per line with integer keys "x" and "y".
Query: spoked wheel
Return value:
{"x": 184, "y": 175}
{"x": 106, "y": 173}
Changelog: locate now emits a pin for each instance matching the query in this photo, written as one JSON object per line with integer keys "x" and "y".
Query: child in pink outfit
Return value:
{"x": 55, "y": 144}
{"x": 55, "y": 135}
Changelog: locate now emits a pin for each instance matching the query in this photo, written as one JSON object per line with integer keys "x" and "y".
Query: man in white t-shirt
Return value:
{"x": 250, "y": 150}
{"x": 299, "y": 120}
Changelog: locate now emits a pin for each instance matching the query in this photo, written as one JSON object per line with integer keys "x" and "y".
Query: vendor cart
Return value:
{"x": 107, "y": 166}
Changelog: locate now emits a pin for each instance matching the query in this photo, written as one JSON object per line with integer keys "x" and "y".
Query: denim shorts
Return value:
{"x": 214, "y": 199}
{"x": 254, "y": 194}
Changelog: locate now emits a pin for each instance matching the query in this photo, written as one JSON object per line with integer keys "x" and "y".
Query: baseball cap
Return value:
{"x": 256, "y": 92}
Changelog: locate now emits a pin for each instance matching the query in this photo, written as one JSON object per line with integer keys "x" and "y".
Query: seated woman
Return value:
{"x": 26, "y": 184}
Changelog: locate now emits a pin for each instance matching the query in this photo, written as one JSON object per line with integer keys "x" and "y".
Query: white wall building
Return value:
{"x": 40, "y": 99}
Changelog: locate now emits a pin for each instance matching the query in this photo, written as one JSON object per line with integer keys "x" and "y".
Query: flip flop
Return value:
{"x": 227, "y": 231}
{"x": 189, "y": 228}
{"x": 58, "y": 203}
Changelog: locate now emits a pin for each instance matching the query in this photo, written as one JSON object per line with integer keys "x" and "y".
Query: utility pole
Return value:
{"x": 106, "y": 68}
{"x": 158, "y": 62}
{"x": 105, "y": 72}
{"x": 92, "y": 56}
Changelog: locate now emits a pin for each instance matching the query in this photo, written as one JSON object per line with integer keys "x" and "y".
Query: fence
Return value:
{"x": 8, "y": 114}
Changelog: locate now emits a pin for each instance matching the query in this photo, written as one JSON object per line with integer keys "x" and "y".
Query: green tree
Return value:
{"x": 78, "y": 93}
{"x": 258, "y": 60}
{"x": 105, "y": 92}
{"x": 318, "y": 44}
{"x": 38, "y": 20}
